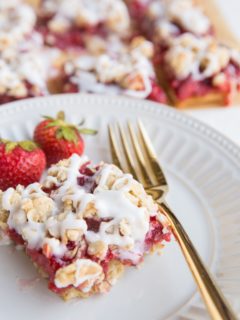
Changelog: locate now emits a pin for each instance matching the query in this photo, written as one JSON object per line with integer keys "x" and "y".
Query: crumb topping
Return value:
{"x": 82, "y": 272}
{"x": 25, "y": 69}
{"x": 84, "y": 13}
{"x": 17, "y": 21}
{"x": 172, "y": 16}
{"x": 126, "y": 70}
{"x": 199, "y": 58}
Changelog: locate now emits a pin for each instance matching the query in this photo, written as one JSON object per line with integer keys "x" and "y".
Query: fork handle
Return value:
{"x": 218, "y": 307}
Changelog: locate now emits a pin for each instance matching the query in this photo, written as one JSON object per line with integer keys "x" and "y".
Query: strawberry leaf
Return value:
{"x": 81, "y": 122}
{"x": 59, "y": 134}
{"x": 61, "y": 115}
{"x": 47, "y": 117}
{"x": 55, "y": 123}
{"x": 87, "y": 131}
{"x": 4, "y": 140}
{"x": 66, "y": 131}
{"x": 27, "y": 145}
{"x": 69, "y": 134}
{"x": 10, "y": 146}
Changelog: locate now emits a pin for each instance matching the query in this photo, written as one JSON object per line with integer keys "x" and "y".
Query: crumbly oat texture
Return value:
{"x": 84, "y": 13}
{"x": 17, "y": 21}
{"x": 86, "y": 222}
{"x": 200, "y": 58}
{"x": 24, "y": 72}
{"x": 118, "y": 68}
{"x": 170, "y": 17}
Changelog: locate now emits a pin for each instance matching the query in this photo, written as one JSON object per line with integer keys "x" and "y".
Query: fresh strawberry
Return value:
{"x": 20, "y": 163}
{"x": 59, "y": 139}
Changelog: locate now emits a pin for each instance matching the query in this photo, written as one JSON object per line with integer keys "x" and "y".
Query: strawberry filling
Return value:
{"x": 157, "y": 94}
{"x": 189, "y": 87}
{"x": 70, "y": 38}
{"x": 50, "y": 265}
{"x": 138, "y": 9}
{"x": 5, "y": 98}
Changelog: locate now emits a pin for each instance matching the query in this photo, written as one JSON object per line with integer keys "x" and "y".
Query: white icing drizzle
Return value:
{"x": 58, "y": 228}
{"x": 6, "y": 199}
{"x": 57, "y": 248}
{"x": 81, "y": 275}
{"x": 114, "y": 205}
{"x": 118, "y": 202}
{"x": 24, "y": 64}
{"x": 23, "y": 222}
{"x": 167, "y": 14}
{"x": 71, "y": 172}
{"x": 17, "y": 20}
{"x": 199, "y": 58}
{"x": 127, "y": 71}
{"x": 82, "y": 278}
{"x": 135, "y": 255}
{"x": 84, "y": 13}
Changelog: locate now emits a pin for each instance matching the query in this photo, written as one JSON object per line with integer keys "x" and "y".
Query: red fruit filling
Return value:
{"x": 157, "y": 94}
{"x": 50, "y": 265}
{"x": 71, "y": 38}
{"x": 138, "y": 9}
{"x": 189, "y": 87}
{"x": 5, "y": 98}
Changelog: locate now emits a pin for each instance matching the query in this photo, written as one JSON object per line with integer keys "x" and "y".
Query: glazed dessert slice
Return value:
{"x": 198, "y": 71}
{"x": 120, "y": 68}
{"x": 17, "y": 23}
{"x": 161, "y": 19}
{"x": 63, "y": 23}
{"x": 83, "y": 225}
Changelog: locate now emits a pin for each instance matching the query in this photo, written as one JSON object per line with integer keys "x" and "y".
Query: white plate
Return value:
{"x": 203, "y": 170}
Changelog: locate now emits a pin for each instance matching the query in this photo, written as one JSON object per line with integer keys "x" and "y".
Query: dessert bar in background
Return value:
{"x": 112, "y": 67}
{"x": 98, "y": 46}
{"x": 198, "y": 71}
{"x": 192, "y": 66}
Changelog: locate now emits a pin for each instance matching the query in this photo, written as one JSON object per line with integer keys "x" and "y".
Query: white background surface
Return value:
{"x": 225, "y": 120}
{"x": 231, "y": 10}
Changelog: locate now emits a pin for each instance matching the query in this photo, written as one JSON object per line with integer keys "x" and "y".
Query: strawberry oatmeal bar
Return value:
{"x": 199, "y": 71}
{"x": 17, "y": 21}
{"x": 124, "y": 69}
{"x": 83, "y": 225}
{"x": 63, "y": 23}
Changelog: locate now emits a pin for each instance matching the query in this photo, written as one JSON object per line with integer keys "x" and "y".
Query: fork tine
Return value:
{"x": 140, "y": 157}
{"x": 157, "y": 170}
{"x": 113, "y": 147}
{"x": 126, "y": 147}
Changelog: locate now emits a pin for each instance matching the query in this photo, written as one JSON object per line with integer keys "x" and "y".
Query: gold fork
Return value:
{"x": 139, "y": 159}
